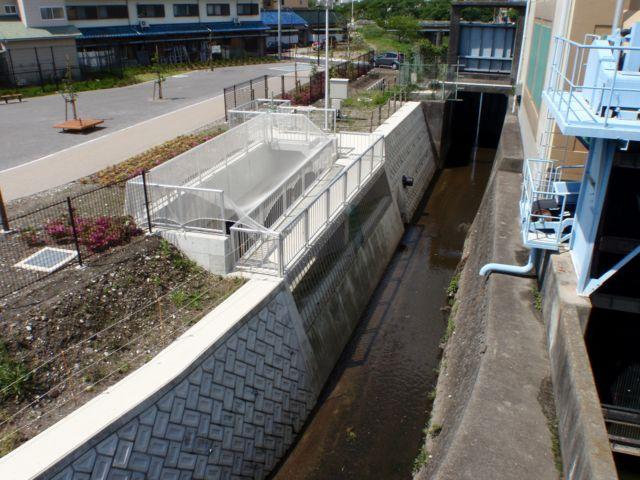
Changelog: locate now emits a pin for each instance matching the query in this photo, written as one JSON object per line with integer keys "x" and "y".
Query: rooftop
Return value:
{"x": 11, "y": 28}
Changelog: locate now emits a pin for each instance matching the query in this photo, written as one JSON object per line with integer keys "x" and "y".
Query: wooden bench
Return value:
{"x": 11, "y": 96}
{"x": 79, "y": 125}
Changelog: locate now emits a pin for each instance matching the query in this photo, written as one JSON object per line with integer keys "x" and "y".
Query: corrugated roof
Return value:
{"x": 287, "y": 18}
{"x": 13, "y": 29}
{"x": 170, "y": 29}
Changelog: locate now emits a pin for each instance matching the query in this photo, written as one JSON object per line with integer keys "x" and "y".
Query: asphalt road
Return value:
{"x": 26, "y": 129}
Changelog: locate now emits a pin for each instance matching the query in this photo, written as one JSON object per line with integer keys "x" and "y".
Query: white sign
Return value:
{"x": 216, "y": 48}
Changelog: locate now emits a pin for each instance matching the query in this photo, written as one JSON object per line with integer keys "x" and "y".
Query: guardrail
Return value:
{"x": 595, "y": 85}
{"x": 276, "y": 252}
{"x": 547, "y": 204}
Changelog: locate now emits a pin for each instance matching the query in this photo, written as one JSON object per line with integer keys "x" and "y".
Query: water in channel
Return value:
{"x": 369, "y": 419}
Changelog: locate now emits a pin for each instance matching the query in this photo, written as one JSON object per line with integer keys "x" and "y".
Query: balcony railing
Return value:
{"x": 547, "y": 204}
{"x": 594, "y": 88}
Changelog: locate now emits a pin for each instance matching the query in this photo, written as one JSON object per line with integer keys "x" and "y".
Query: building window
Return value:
{"x": 218, "y": 9}
{"x": 185, "y": 10}
{"x": 248, "y": 9}
{"x": 10, "y": 10}
{"x": 52, "y": 13}
{"x": 104, "y": 12}
{"x": 538, "y": 57}
{"x": 150, "y": 11}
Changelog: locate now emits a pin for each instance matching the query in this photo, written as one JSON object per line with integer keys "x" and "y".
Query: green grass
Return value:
{"x": 130, "y": 76}
{"x": 420, "y": 461}
{"x": 15, "y": 381}
{"x": 383, "y": 41}
{"x": 452, "y": 289}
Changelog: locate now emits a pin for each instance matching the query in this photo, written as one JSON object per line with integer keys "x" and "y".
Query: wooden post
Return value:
{"x": 4, "y": 218}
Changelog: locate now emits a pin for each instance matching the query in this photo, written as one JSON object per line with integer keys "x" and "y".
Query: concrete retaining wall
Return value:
{"x": 410, "y": 152}
{"x": 584, "y": 441}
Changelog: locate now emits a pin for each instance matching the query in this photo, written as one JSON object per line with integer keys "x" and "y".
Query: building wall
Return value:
{"x": 30, "y": 12}
{"x": 58, "y": 52}
{"x": 273, "y": 4}
{"x": 549, "y": 18}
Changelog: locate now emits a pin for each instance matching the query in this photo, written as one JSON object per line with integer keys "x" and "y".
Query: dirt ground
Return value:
{"x": 70, "y": 336}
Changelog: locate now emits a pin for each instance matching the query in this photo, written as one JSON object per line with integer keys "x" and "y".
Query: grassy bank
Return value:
{"x": 132, "y": 76}
{"x": 384, "y": 41}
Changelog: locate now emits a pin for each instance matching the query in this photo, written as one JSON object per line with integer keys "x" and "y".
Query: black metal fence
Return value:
{"x": 242, "y": 93}
{"x": 39, "y": 242}
{"x": 44, "y": 66}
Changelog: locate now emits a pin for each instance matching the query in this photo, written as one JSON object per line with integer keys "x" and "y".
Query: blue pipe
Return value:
{"x": 490, "y": 268}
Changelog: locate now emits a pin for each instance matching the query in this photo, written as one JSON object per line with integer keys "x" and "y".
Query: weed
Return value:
{"x": 191, "y": 300}
{"x": 179, "y": 261}
{"x": 451, "y": 328}
{"x": 421, "y": 460}
{"x": 351, "y": 435}
{"x": 431, "y": 396}
{"x": 537, "y": 298}
{"x": 435, "y": 430}
{"x": 15, "y": 380}
{"x": 9, "y": 443}
{"x": 452, "y": 289}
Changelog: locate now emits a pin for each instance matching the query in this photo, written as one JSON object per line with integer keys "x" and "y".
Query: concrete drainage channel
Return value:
{"x": 230, "y": 397}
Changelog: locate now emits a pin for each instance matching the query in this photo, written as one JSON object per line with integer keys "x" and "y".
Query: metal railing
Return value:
{"x": 623, "y": 425}
{"x": 595, "y": 84}
{"x": 259, "y": 106}
{"x": 276, "y": 252}
{"x": 547, "y": 204}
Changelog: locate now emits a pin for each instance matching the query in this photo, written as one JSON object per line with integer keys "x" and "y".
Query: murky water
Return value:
{"x": 370, "y": 417}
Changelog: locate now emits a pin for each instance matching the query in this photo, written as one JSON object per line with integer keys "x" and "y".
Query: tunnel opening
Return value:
{"x": 476, "y": 121}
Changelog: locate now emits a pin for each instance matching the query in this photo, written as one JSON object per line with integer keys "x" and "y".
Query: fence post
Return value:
{"x": 266, "y": 86}
{"x": 72, "y": 220}
{"x": 235, "y": 99}
{"x": 282, "y": 82}
{"x": 35, "y": 49}
{"x": 226, "y": 108}
{"x": 55, "y": 69}
{"x": 146, "y": 199}
{"x": 251, "y": 94}
{"x": 281, "y": 254}
{"x": 13, "y": 72}
{"x": 3, "y": 215}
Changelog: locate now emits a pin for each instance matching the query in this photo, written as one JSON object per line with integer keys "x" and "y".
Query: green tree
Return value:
{"x": 404, "y": 26}
{"x": 436, "y": 10}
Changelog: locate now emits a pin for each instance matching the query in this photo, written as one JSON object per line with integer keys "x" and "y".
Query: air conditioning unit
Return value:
{"x": 144, "y": 24}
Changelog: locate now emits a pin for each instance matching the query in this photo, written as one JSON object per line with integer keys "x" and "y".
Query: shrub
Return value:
{"x": 101, "y": 233}
{"x": 58, "y": 229}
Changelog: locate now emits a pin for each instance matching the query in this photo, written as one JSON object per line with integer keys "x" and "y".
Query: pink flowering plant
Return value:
{"x": 102, "y": 233}
{"x": 59, "y": 229}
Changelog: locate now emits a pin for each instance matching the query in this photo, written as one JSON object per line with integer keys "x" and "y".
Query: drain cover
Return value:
{"x": 47, "y": 259}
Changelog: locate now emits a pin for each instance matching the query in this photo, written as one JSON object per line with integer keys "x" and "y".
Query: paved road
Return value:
{"x": 26, "y": 131}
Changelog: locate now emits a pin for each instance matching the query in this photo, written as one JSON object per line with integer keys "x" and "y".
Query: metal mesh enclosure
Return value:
{"x": 251, "y": 173}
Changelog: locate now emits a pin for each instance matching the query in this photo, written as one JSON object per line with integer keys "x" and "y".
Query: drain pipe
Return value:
{"x": 490, "y": 268}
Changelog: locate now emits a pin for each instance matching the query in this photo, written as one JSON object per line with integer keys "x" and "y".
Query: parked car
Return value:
{"x": 389, "y": 60}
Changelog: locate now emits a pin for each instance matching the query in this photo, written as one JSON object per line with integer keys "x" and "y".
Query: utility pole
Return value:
{"x": 279, "y": 30}
{"x": 328, "y": 5}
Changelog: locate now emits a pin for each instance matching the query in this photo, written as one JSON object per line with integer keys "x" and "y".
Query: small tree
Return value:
{"x": 405, "y": 27}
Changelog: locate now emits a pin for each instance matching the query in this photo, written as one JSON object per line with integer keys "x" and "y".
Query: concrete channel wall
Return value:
{"x": 228, "y": 397}
{"x": 511, "y": 373}
{"x": 583, "y": 435}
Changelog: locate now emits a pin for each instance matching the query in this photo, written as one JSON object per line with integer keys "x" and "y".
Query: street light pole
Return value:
{"x": 279, "y": 31}
{"x": 328, "y": 4}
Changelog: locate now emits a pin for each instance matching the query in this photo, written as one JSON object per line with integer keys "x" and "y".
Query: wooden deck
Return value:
{"x": 79, "y": 125}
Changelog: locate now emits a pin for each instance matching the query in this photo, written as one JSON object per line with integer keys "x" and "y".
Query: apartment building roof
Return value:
{"x": 315, "y": 18}
{"x": 11, "y": 29}
{"x": 287, "y": 18}
{"x": 127, "y": 31}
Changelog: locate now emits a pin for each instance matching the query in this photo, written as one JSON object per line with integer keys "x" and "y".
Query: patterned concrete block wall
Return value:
{"x": 408, "y": 152}
{"x": 233, "y": 415}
